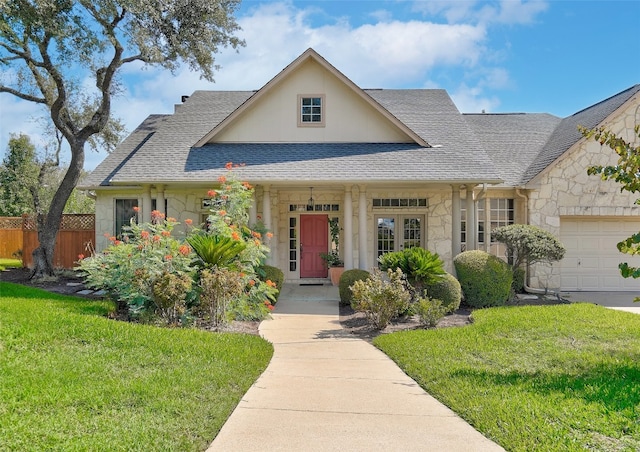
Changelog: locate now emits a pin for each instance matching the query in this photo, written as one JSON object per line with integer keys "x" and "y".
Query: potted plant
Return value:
{"x": 332, "y": 259}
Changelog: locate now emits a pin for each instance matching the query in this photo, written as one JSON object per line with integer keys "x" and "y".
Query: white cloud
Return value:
{"x": 496, "y": 12}
{"x": 384, "y": 54}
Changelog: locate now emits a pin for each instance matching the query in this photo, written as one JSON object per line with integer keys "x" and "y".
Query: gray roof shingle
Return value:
{"x": 567, "y": 134}
{"x": 512, "y": 140}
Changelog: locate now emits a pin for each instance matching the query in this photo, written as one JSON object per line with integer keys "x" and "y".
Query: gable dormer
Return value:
{"x": 310, "y": 101}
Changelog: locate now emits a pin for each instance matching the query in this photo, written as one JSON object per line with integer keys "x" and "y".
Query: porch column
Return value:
{"x": 487, "y": 224}
{"x": 347, "y": 236}
{"x": 253, "y": 211}
{"x": 160, "y": 198}
{"x": 146, "y": 204}
{"x": 266, "y": 219}
{"x": 472, "y": 227}
{"x": 362, "y": 228}
{"x": 455, "y": 221}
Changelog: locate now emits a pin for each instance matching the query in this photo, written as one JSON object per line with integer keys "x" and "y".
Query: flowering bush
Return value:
{"x": 381, "y": 299}
{"x": 150, "y": 263}
{"x": 129, "y": 268}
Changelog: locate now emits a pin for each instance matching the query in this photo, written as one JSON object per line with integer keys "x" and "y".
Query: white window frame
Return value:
{"x": 322, "y": 106}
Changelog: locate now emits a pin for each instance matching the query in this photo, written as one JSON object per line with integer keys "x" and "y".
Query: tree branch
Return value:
{"x": 21, "y": 95}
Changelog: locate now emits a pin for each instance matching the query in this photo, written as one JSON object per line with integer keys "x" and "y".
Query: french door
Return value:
{"x": 397, "y": 232}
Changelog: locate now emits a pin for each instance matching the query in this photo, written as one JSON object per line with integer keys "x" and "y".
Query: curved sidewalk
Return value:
{"x": 325, "y": 390}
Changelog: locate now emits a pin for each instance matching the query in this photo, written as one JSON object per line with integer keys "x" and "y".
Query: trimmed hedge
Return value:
{"x": 275, "y": 275}
{"x": 346, "y": 280}
{"x": 447, "y": 289}
{"x": 485, "y": 279}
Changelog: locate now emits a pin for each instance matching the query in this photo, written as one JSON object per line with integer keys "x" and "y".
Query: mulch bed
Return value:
{"x": 354, "y": 322}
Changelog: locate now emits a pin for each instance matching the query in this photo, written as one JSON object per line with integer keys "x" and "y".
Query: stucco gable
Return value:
{"x": 319, "y": 76}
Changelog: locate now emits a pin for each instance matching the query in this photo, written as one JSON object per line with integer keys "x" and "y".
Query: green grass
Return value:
{"x": 549, "y": 378}
{"x": 9, "y": 263}
{"x": 71, "y": 379}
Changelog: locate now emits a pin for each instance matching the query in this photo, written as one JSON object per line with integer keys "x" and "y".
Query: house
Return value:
{"x": 397, "y": 168}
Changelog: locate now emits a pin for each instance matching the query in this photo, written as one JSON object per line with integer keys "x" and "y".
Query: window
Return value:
{"x": 502, "y": 213}
{"x": 124, "y": 213}
{"x": 311, "y": 111}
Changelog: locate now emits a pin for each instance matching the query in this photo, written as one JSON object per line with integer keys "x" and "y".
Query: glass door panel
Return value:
{"x": 410, "y": 235}
{"x": 412, "y": 232}
{"x": 386, "y": 230}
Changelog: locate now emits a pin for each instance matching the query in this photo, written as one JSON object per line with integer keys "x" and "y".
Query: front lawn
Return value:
{"x": 563, "y": 377}
{"x": 72, "y": 379}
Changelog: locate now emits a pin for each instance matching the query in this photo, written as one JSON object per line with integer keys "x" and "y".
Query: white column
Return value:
{"x": 253, "y": 211}
{"x": 160, "y": 198}
{"x": 146, "y": 204}
{"x": 472, "y": 226}
{"x": 455, "y": 221}
{"x": 362, "y": 228}
{"x": 347, "y": 236}
{"x": 266, "y": 207}
{"x": 487, "y": 224}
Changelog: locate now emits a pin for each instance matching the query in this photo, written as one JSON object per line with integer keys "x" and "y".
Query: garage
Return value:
{"x": 592, "y": 258}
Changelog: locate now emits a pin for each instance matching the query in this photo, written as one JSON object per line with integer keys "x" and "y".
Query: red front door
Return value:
{"x": 314, "y": 239}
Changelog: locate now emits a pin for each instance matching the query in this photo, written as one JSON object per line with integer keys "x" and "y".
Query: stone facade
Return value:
{"x": 566, "y": 190}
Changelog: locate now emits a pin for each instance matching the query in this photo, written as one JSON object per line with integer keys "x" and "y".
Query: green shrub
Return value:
{"x": 274, "y": 274}
{"x": 429, "y": 311}
{"x": 528, "y": 244}
{"x": 420, "y": 266}
{"x": 347, "y": 279}
{"x": 518, "y": 280}
{"x": 219, "y": 286}
{"x": 485, "y": 279}
{"x": 170, "y": 291}
{"x": 380, "y": 299}
{"x": 447, "y": 289}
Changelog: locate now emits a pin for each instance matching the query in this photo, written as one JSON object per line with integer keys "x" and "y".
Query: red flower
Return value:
{"x": 235, "y": 235}
{"x": 168, "y": 257}
{"x": 270, "y": 283}
{"x": 247, "y": 185}
{"x": 136, "y": 209}
{"x": 165, "y": 233}
{"x": 222, "y": 179}
{"x": 229, "y": 165}
{"x": 269, "y": 235}
{"x": 212, "y": 193}
{"x": 112, "y": 239}
{"x": 271, "y": 307}
{"x": 222, "y": 213}
{"x": 156, "y": 238}
{"x": 156, "y": 214}
{"x": 171, "y": 220}
{"x": 188, "y": 221}
{"x": 80, "y": 257}
{"x": 144, "y": 234}
{"x": 252, "y": 283}
{"x": 184, "y": 250}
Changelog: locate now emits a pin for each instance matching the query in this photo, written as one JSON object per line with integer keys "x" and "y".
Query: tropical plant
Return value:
{"x": 216, "y": 250}
{"x": 421, "y": 267}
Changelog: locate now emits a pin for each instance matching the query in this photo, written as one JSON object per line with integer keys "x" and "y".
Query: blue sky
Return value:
{"x": 499, "y": 56}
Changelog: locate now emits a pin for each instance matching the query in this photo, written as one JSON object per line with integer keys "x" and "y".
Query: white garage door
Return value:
{"x": 592, "y": 258}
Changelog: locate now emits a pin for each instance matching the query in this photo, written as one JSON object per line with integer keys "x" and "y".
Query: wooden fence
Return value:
{"x": 10, "y": 237}
{"x": 77, "y": 232}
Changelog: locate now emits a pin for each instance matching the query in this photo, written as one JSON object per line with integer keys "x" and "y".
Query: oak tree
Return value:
{"x": 66, "y": 55}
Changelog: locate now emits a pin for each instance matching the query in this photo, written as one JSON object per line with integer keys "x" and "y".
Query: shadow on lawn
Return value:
{"x": 611, "y": 385}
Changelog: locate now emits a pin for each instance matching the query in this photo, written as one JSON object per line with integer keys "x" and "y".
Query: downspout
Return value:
{"x": 526, "y": 221}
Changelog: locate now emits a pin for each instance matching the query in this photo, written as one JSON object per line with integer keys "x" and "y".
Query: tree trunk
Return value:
{"x": 48, "y": 229}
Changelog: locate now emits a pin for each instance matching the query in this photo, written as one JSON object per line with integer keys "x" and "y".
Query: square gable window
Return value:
{"x": 311, "y": 110}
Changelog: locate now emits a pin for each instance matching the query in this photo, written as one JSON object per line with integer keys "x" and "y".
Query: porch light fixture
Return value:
{"x": 311, "y": 201}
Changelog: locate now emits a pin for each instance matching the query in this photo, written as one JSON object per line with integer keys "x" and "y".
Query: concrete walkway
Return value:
{"x": 622, "y": 301}
{"x": 325, "y": 390}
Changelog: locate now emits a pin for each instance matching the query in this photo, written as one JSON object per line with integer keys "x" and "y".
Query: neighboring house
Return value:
{"x": 397, "y": 168}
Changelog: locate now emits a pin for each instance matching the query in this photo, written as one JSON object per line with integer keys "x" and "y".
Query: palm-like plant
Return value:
{"x": 217, "y": 250}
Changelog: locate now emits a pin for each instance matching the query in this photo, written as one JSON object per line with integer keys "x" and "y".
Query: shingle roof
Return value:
{"x": 567, "y": 134}
{"x": 512, "y": 140}
{"x": 168, "y": 156}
